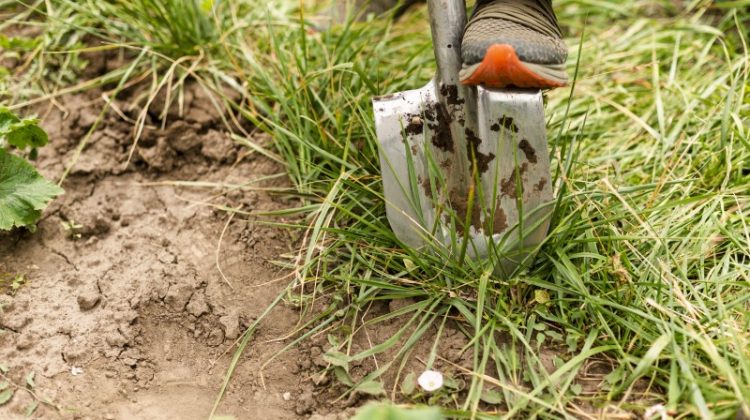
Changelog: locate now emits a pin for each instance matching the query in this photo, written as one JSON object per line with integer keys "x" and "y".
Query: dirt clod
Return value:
{"x": 116, "y": 339}
{"x": 500, "y": 222}
{"x": 415, "y": 125}
{"x": 24, "y": 342}
{"x": 305, "y": 404}
{"x": 215, "y": 337}
{"x": 88, "y": 299}
{"x": 15, "y": 322}
{"x": 197, "y": 305}
{"x": 218, "y": 147}
{"x": 87, "y": 118}
{"x": 181, "y": 138}
{"x": 160, "y": 157}
{"x": 462, "y": 206}
{"x": 231, "y": 325}
{"x": 178, "y": 296}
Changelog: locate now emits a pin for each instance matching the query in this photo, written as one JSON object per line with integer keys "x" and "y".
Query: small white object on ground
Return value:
{"x": 655, "y": 412}
{"x": 75, "y": 371}
{"x": 430, "y": 380}
{"x": 287, "y": 396}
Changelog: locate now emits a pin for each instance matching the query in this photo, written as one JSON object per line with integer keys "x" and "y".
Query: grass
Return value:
{"x": 645, "y": 272}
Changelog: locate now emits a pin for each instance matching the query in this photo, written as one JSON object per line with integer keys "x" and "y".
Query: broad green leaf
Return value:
{"x": 541, "y": 296}
{"x": 23, "y": 192}
{"x": 18, "y": 43}
{"x": 27, "y": 134}
{"x": 492, "y": 397}
{"x": 409, "y": 384}
{"x": 371, "y": 388}
{"x": 336, "y": 358}
{"x": 6, "y": 395}
{"x": 7, "y": 119}
{"x": 378, "y": 411}
{"x": 343, "y": 376}
{"x": 21, "y": 133}
{"x": 450, "y": 383}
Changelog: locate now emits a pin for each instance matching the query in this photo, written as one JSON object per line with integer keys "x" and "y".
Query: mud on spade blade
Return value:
{"x": 466, "y": 170}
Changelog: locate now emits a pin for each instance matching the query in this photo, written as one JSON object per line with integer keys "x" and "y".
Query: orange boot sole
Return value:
{"x": 501, "y": 68}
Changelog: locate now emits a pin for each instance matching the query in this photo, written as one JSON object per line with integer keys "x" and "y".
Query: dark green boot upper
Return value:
{"x": 529, "y": 26}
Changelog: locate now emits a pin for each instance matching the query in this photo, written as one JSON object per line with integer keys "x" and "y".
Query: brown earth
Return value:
{"x": 123, "y": 312}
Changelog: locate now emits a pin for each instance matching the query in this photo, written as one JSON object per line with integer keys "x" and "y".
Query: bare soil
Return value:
{"x": 124, "y": 312}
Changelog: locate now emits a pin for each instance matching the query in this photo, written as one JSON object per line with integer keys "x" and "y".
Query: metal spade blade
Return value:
{"x": 465, "y": 168}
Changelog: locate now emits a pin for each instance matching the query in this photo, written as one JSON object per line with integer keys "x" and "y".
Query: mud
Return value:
{"x": 528, "y": 151}
{"x": 497, "y": 223}
{"x": 415, "y": 126}
{"x": 426, "y": 185}
{"x": 505, "y": 122}
{"x": 500, "y": 222}
{"x": 465, "y": 210}
{"x": 509, "y": 187}
{"x": 481, "y": 160}
{"x": 450, "y": 93}
{"x": 539, "y": 187}
{"x": 438, "y": 120}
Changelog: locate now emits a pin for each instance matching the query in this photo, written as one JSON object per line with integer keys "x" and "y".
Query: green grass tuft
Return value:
{"x": 646, "y": 264}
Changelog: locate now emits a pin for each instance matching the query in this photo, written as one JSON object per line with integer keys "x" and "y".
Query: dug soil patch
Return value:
{"x": 127, "y": 301}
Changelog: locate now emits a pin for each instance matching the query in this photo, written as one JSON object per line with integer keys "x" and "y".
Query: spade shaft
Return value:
{"x": 455, "y": 101}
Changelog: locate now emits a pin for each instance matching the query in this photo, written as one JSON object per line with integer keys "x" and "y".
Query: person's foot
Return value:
{"x": 514, "y": 43}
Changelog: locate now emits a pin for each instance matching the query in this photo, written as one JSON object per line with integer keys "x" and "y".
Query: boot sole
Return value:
{"x": 502, "y": 68}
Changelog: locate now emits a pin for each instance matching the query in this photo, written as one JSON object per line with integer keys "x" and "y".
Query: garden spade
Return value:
{"x": 465, "y": 169}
